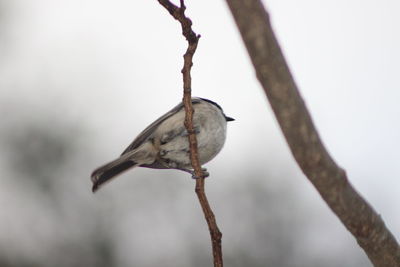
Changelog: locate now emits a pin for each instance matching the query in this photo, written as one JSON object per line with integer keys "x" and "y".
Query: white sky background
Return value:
{"x": 115, "y": 66}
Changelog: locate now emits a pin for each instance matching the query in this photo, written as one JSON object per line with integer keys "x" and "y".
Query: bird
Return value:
{"x": 164, "y": 143}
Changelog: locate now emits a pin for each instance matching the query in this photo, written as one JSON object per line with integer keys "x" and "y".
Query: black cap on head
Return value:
{"x": 211, "y": 102}
{"x": 218, "y": 106}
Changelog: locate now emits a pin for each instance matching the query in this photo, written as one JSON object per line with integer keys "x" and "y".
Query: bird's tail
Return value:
{"x": 110, "y": 170}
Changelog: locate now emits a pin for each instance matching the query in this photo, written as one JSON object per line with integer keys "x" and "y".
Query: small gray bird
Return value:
{"x": 164, "y": 143}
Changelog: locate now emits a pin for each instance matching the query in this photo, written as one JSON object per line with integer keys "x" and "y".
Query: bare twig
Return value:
{"x": 295, "y": 121}
{"x": 179, "y": 14}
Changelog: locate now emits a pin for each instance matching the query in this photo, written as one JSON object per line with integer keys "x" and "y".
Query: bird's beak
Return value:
{"x": 229, "y": 118}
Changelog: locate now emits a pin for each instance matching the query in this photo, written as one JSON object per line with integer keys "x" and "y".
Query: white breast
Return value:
{"x": 211, "y": 124}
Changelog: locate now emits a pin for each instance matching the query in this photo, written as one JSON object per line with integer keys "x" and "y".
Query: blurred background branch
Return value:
{"x": 295, "y": 121}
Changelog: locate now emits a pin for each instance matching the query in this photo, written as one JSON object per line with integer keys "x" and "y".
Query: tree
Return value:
{"x": 329, "y": 179}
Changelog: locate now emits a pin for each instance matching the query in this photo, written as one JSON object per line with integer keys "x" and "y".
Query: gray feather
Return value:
{"x": 146, "y": 133}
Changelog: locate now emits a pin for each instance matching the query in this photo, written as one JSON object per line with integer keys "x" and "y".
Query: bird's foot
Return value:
{"x": 193, "y": 173}
{"x": 204, "y": 171}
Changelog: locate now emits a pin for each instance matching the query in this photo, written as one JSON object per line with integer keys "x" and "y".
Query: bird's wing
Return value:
{"x": 146, "y": 133}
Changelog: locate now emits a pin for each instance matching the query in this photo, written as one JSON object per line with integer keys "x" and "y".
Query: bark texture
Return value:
{"x": 295, "y": 121}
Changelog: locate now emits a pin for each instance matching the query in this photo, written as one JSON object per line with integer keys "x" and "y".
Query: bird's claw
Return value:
{"x": 204, "y": 171}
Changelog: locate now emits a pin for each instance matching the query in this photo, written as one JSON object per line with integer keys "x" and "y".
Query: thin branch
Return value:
{"x": 179, "y": 14}
{"x": 295, "y": 121}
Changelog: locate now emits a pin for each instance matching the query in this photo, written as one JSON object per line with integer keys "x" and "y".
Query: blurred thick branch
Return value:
{"x": 295, "y": 121}
{"x": 179, "y": 14}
